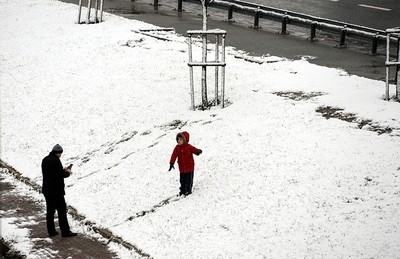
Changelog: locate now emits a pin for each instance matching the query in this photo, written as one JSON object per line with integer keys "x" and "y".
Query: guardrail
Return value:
{"x": 302, "y": 20}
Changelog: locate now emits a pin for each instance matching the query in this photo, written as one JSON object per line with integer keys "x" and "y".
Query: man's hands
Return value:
{"x": 68, "y": 170}
{"x": 171, "y": 166}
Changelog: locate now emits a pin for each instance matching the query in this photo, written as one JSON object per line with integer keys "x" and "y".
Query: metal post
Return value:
{"x": 88, "y": 11}
{"x": 257, "y": 18}
{"x": 230, "y": 13}
{"x": 223, "y": 70}
{"x": 313, "y": 30}
{"x": 216, "y": 67}
{"x": 342, "y": 42}
{"x": 191, "y": 72}
{"x": 179, "y": 5}
{"x": 374, "y": 44}
{"x": 284, "y": 23}
{"x": 80, "y": 11}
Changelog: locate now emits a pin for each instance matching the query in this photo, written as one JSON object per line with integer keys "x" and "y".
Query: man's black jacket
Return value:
{"x": 53, "y": 175}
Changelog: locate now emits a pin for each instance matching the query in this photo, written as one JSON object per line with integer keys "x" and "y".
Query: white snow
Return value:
{"x": 275, "y": 180}
{"x": 15, "y": 234}
{"x": 15, "y": 231}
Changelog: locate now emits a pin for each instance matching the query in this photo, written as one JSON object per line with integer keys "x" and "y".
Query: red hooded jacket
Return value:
{"x": 184, "y": 153}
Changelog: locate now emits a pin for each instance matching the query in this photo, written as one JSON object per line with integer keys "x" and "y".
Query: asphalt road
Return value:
{"x": 377, "y": 14}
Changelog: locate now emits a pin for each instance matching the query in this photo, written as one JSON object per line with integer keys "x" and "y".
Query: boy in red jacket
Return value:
{"x": 184, "y": 152}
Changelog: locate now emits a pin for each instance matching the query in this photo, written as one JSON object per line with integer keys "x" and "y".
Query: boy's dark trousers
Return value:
{"x": 53, "y": 203}
{"x": 186, "y": 180}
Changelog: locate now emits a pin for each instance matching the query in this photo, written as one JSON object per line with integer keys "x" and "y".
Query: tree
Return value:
{"x": 204, "y": 98}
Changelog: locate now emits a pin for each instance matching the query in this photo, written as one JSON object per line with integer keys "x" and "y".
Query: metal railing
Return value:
{"x": 302, "y": 20}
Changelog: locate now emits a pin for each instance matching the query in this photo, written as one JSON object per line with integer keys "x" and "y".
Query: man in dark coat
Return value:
{"x": 53, "y": 190}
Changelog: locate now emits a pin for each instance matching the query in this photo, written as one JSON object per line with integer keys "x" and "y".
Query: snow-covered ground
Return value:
{"x": 275, "y": 180}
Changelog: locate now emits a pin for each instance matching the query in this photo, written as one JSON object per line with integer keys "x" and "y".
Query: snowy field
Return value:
{"x": 276, "y": 179}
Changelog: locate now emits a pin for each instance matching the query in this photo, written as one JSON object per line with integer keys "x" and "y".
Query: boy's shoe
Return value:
{"x": 69, "y": 234}
{"x": 55, "y": 233}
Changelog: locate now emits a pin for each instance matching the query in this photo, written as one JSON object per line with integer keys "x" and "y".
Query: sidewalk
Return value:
{"x": 27, "y": 214}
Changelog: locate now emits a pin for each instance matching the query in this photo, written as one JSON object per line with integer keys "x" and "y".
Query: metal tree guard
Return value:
{"x": 97, "y": 8}
{"x": 219, "y": 62}
{"x": 388, "y": 63}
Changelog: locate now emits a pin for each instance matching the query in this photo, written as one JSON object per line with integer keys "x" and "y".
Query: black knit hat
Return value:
{"x": 57, "y": 149}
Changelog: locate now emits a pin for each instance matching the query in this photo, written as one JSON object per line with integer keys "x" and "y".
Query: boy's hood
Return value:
{"x": 185, "y": 135}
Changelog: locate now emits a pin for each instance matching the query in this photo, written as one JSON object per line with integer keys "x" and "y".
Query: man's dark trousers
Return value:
{"x": 56, "y": 203}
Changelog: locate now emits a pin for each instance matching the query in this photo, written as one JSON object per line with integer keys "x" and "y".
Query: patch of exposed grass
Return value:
{"x": 329, "y": 112}
{"x": 299, "y": 95}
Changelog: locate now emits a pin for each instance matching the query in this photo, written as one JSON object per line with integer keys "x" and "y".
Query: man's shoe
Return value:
{"x": 55, "y": 233}
{"x": 69, "y": 234}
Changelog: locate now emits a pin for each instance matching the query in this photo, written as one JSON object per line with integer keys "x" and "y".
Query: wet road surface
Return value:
{"x": 375, "y": 14}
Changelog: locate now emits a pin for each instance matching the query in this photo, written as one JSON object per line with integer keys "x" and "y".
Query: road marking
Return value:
{"x": 334, "y": 0}
{"x": 374, "y": 7}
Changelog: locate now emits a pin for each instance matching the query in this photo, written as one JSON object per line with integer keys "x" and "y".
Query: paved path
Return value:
{"x": 24, "y": 211}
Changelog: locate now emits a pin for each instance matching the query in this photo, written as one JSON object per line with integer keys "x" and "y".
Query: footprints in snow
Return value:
{"x": 155, "y": 207}
{"x": 111, "y": 146}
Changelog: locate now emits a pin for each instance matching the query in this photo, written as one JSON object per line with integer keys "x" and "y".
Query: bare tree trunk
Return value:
{"x": 204, "y": 60}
